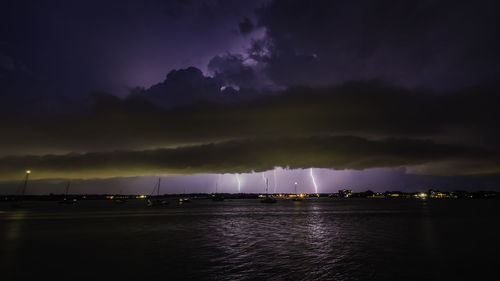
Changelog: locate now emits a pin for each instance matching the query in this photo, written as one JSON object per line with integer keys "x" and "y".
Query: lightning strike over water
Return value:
{"x": 217, "y": 182}
{"x": 275, "y": 181}
{"x": 266, "y": 181}
{"x": 239, "y": 183}
{"x": 313, "y": 181}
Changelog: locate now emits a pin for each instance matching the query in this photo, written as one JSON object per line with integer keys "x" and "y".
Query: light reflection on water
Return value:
{"x": 317, "y": 239}
{"x": 11, "y": 237}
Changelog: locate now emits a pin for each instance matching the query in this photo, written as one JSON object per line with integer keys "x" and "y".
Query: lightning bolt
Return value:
{"x": 239, "y": 183}
{"x": 275, "y": 181}
{"x": 266, "y": 181}
{"x": 217, "y": 182}
{"x": 313, "y": 180}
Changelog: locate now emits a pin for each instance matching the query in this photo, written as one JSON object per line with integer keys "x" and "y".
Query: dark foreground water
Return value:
{"x": 316, "y": 239}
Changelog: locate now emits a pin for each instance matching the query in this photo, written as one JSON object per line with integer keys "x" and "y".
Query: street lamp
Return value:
{"x": 28, "y": 172}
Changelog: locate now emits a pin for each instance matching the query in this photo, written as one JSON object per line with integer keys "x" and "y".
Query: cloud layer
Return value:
{"x": 341, "y": 152}
{"x": 354, "y": 126}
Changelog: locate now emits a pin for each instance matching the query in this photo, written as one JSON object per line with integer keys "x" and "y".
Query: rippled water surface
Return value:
{"x": 316, "y": 239}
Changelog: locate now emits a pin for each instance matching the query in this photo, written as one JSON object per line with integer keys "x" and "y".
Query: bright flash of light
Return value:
{"x": 313, "y": 180}
{"x": 239, "y": 183}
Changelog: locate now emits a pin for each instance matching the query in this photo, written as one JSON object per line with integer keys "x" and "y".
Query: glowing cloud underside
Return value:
{"x": 313, "y": 180}
{"x": 239, "y": 183}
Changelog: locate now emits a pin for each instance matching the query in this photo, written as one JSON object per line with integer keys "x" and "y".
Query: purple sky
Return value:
{"x": 280, "y": 180}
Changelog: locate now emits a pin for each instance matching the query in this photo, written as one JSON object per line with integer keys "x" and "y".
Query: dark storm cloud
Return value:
{"x": 191, "y": 122}
{"x": 246, "y": 26}
{"x": 427, "y": 128}
{"x": 341, "y": 152}
{"x": 184, "y": 86}
{"x": 371, "y": 109}
{"x": 231, "y": 70}
{"x": 433, "y": 44}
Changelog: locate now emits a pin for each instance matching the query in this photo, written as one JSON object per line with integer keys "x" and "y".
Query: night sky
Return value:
{"x": 380, "y": 95}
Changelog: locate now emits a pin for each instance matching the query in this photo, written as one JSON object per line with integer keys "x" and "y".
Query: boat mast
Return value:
{"x": 159, "y": 182}
{"x": 67, "y": 188}
{"x": 28, "y": 172}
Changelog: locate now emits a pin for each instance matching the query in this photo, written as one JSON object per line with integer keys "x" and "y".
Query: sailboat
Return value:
{"x": 216, "y": 196}
{"x": 268, "y": 199}
{"x": 67, "y": 200}
{"x": 157, "y": 201}
{"x": 184, "y": 199}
